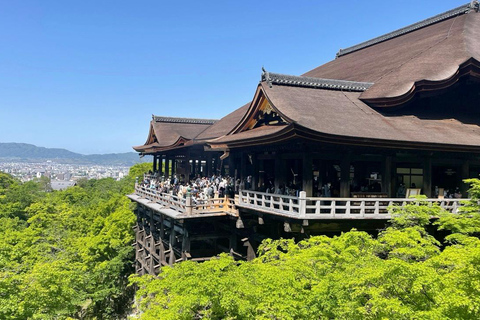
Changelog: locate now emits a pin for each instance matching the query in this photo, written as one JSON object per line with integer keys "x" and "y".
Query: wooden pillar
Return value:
{"x": 194, "y": 167}
{"x": 160, "y": 165}
{"x": 427, "y": 176}
{"x": 172, "y": 258}
{"x": 185, "y": 244}
{"x": 209, "y": 164}
{"x": 162, "y": 227}
{"x": 387, "y": 176}
{"x": 279, "y": 172}
{"x": 345, "y": 177}
{"x": 255, "y": 172}
{"x": 465, "y": 175}
{"x": 167, "y": 167}
{"x": 261, "y": 175}
{"x": 214, "y": 165}
{"x": 231, "y": 166}
{"x": 307, "y": 175}
{"x": 232, "y": 240}
{"x": 187, "y": 168}
{"x": 243, "y": 166}
{"x": 154, "y": 163}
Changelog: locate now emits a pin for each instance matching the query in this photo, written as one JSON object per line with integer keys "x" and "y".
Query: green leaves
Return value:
{"x": 404, "y": 273}
{"x": 65, "y": 254}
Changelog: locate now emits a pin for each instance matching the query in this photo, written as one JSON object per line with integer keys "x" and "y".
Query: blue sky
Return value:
{"x": 88, "y": 75}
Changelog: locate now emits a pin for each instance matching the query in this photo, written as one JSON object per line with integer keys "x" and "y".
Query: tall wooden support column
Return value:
{"x": 188, "y": 171}
{"x": 345, "y": 177}
{"x": 387, "y": 176}
{"x": 160, "y": 166}
{"x": 194, "y": 168}
{"x": 307, "y": 174}
{"x": 261, "y": 175}
{"x": 279, "y": 172}
{"x": 172, "y": 259}
{"x": 243, "y": 166}
{"x": 215, "y": 165}
{"x": 427, "y": 177}
{"x": 185, "y": 245}
{"x": 255, "y": 172}
{"x": 154, "y": 163}
{"x": 231, "y": 166}
{"x": 162, "y": 227}
{"x": 209, "y": 164}
{"x": 465, "y": 175}
{"x": 167, "y": 167}
{"x": 232, "y": 240}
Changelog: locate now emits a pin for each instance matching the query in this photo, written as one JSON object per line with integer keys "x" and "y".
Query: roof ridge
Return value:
{"x": 311, "y": 82}
{"x": 418, "y": 25}
{"x": 183, "y": 120}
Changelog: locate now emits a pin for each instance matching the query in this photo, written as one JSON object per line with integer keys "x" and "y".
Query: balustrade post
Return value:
{"x": 188, "y": 205}
{"x": 302, "y": 204}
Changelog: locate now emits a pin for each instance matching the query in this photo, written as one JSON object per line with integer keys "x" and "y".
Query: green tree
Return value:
{"x": 67, "y": 253}
{"x": 403, "y": 273}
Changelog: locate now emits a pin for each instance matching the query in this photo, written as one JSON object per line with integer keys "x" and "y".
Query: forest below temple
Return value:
{"x": 68, "y": 255}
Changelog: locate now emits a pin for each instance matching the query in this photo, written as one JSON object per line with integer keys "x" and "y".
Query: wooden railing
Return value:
{"x": 187, "y": 205}
{"x": 303, "y": 207}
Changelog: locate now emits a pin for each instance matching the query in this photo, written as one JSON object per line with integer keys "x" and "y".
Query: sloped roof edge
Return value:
{"x": 183, "y": 120}
{"x": 310, "y": 82}
{"x": 421, "y": 24}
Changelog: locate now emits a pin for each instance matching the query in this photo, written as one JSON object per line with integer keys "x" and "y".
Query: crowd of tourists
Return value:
{"x": 199, "y": 188}
{"x": 204, "y": 188}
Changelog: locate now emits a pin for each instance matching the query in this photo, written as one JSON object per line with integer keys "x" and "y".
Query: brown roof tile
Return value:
{"x": 342, "y": 114}
{"x": 434, "y": 53}
{"x": 224, "y": 125}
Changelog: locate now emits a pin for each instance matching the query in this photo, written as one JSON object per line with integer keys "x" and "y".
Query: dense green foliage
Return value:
{"x": 404, "y": 273}
{"x": 67, "y": 253}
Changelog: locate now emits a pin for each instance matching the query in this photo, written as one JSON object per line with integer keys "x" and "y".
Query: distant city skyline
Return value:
{"x": 87, "y": 76}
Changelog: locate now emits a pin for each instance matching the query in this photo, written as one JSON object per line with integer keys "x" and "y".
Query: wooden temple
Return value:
{"x": 393, "y": 116}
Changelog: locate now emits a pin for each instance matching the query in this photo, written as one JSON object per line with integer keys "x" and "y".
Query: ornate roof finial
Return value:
{"x": 266, "y": 77}
{"x": 474, "y": 5}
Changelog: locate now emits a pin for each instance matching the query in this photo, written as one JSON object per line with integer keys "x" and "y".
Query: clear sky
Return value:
{"x": 88, "y": 75}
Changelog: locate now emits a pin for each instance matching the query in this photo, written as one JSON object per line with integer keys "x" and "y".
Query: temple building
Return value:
{"x": 322, "y": 152}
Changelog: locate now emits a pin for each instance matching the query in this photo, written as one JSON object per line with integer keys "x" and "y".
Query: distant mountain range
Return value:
{"x": 24, "y": 152}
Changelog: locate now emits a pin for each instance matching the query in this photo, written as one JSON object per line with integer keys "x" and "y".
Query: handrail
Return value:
{"x": 186, "y": 205}
{"x": 333, "y": 208}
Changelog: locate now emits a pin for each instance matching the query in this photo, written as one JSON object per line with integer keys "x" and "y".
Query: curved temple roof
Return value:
{"x": 432, "y": 50}
{"x": 339, "y": 101}
{"x": 168, "y": 132}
